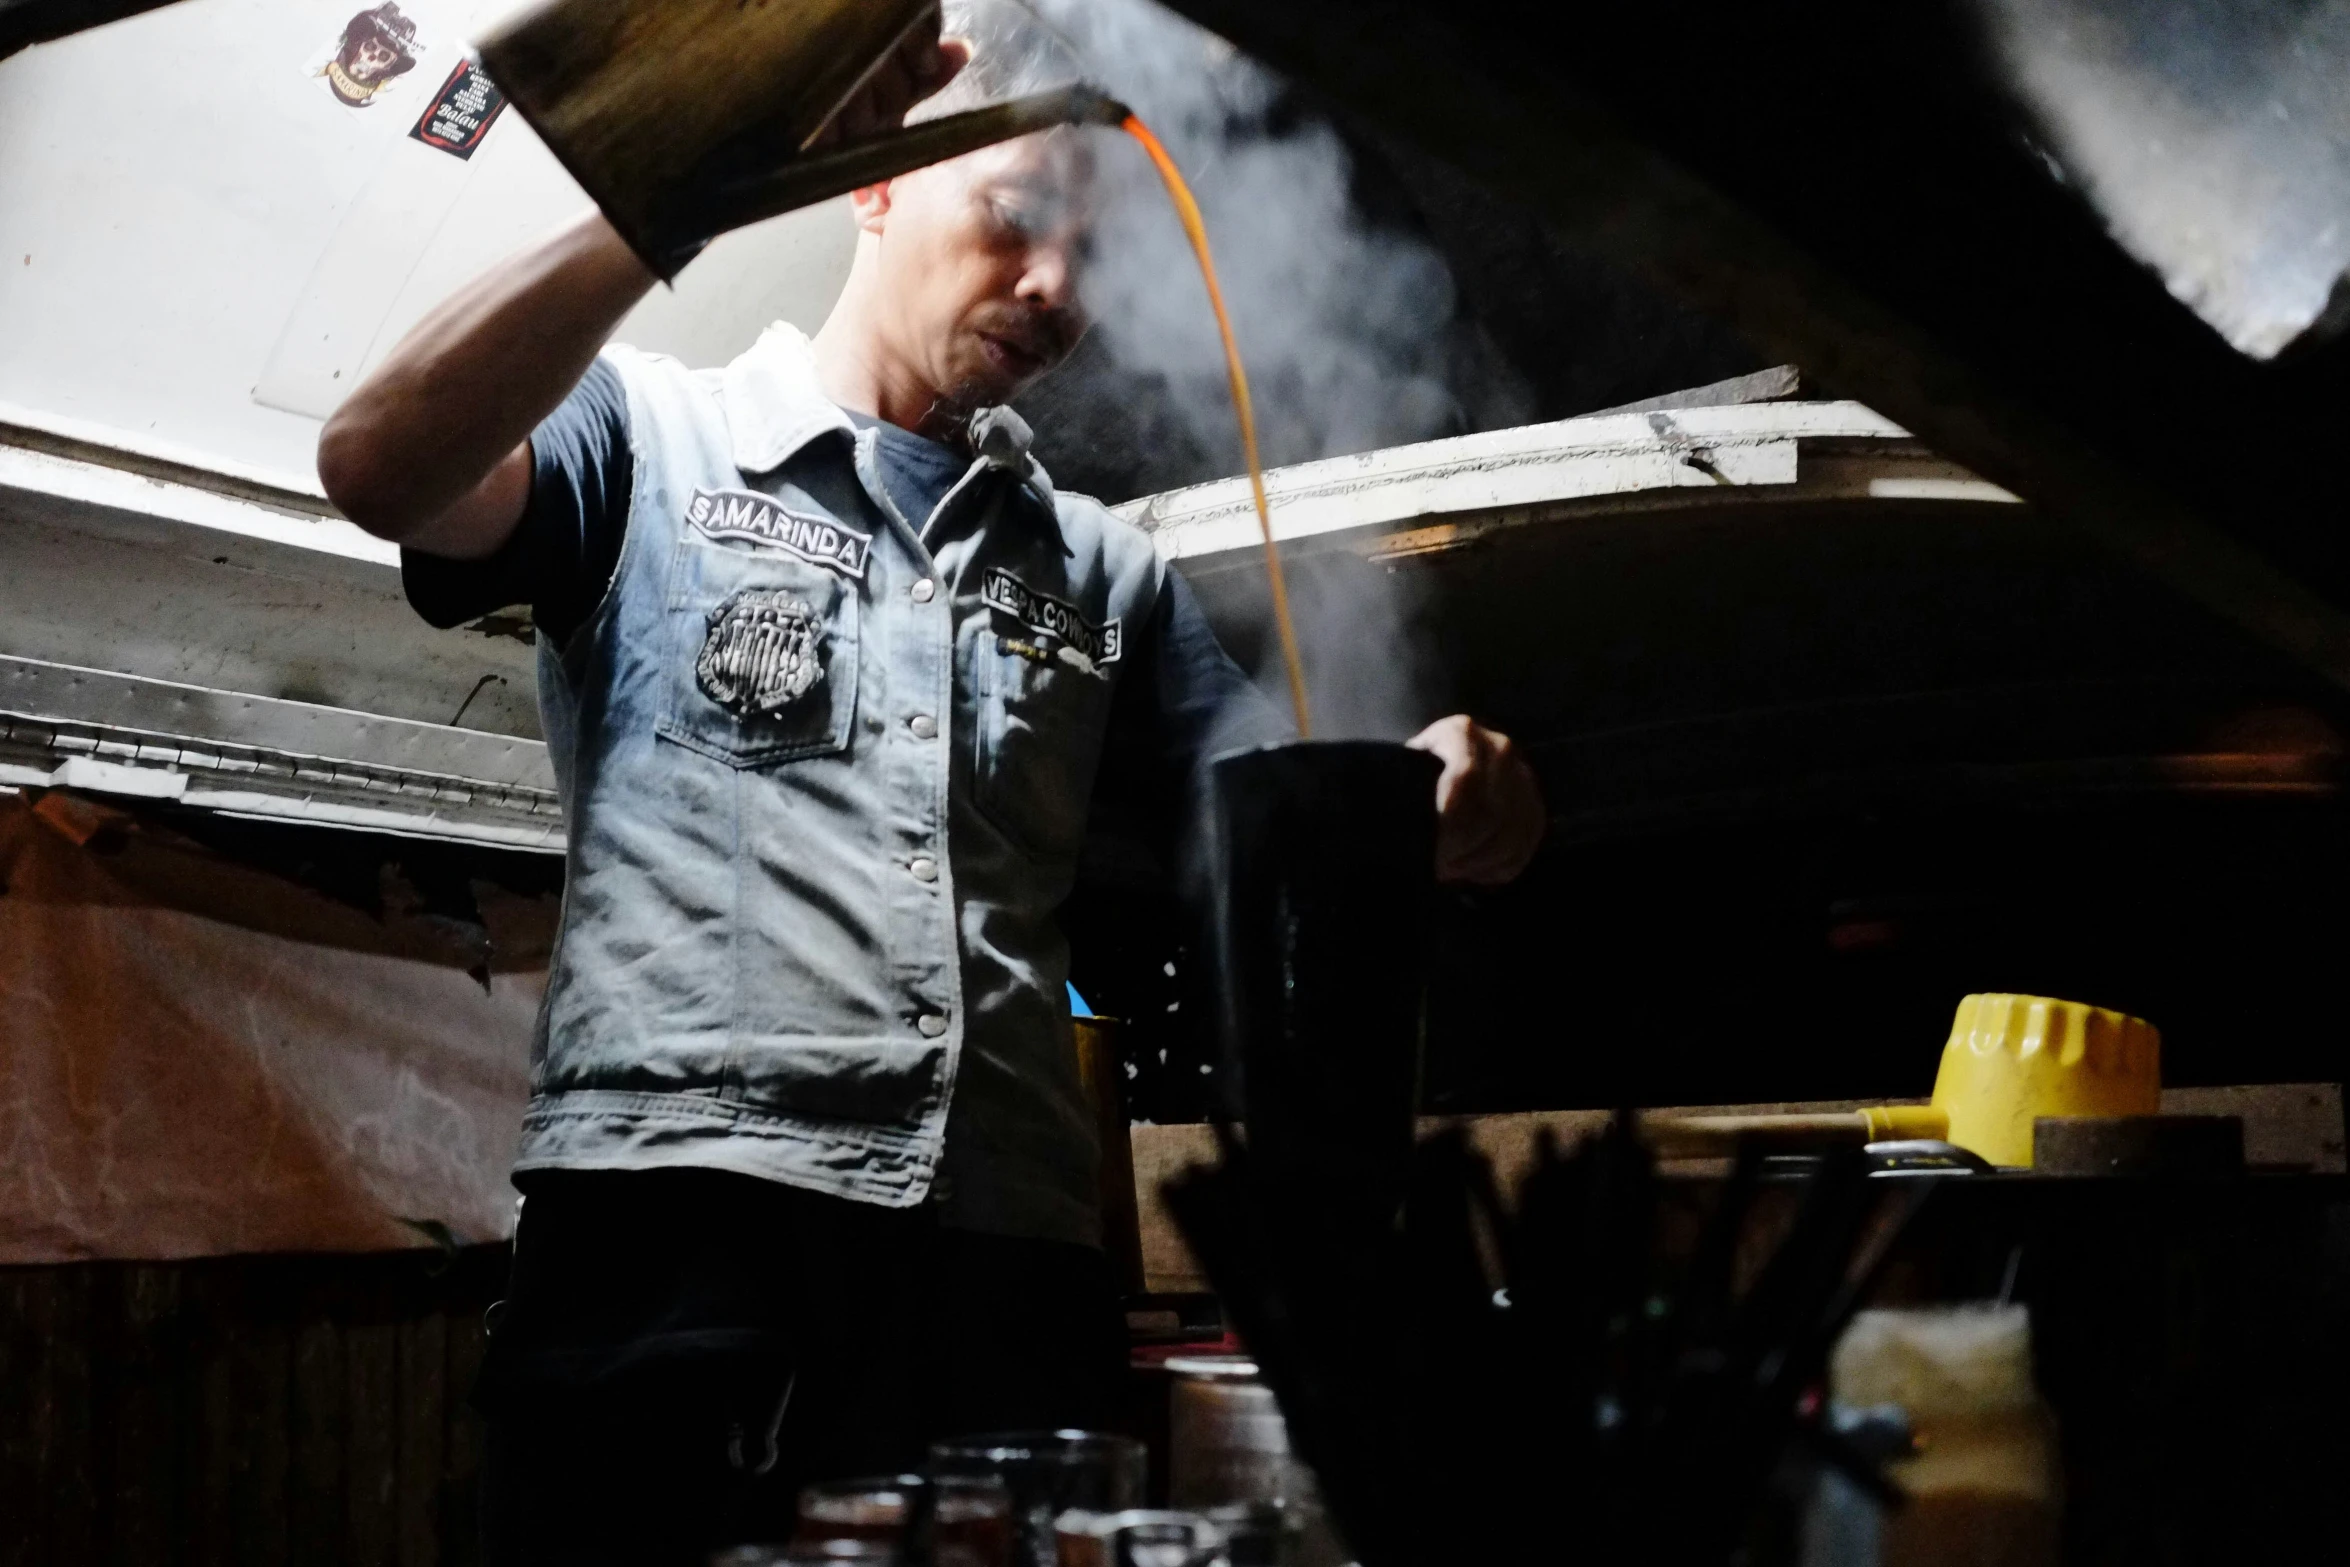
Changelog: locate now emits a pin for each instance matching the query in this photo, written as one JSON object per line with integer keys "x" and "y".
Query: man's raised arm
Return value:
{"x": 431, "y": 450}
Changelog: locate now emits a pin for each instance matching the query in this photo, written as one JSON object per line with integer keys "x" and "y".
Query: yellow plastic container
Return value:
{"x": 2013, "y": 1059}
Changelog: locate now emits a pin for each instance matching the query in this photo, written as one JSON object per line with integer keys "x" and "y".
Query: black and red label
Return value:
{"x": 461, "y": 112}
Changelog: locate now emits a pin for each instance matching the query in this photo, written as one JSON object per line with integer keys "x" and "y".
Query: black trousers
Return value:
{"x": 681, "y": 1350}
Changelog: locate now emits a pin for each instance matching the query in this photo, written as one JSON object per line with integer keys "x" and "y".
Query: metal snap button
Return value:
{"x": 924, "y": 726}
{"x": 931, "y": 1024}
{"x": 923, "y": 590}
{"x": 924, "y": 868}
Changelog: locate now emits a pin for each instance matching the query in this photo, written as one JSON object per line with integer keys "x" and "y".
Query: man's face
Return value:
{"x": 979, "y": 261}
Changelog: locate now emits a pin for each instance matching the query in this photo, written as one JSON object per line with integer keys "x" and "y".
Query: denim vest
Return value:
{"x": 826, "y": 771}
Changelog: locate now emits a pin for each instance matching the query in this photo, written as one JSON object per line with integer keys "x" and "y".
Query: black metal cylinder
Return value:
{"x": 1323, "y": 859}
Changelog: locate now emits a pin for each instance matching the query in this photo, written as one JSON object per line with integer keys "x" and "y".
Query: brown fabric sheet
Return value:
{"x": 199, "y": 1057}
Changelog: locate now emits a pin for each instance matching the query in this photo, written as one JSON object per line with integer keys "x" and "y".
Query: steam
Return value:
{"x": 1349, "y": 330}
{"x": 2214, "y": 140}
{"x": 1369, "y": 664}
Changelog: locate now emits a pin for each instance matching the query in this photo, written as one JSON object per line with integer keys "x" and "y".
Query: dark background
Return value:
{"x": 1817, "y": 771}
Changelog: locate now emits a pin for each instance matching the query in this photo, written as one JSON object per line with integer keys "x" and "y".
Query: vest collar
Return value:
{"x": 775, "y": 406}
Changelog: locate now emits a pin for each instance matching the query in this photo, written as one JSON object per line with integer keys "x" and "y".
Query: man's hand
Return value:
{"x": 920, "y": 65}
{"x": 1489, "y": 813}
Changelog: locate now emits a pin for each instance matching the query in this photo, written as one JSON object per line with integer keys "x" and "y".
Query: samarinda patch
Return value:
{"x": 764, "y": 652}
{"x": 748, "y": 517}
{"x": 1053, "y": 617}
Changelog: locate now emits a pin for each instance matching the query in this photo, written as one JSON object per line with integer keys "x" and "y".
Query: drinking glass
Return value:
{"x": 813, "y": 1553}
{"x": 1290, "y": 1533}
{"x": 1047, "y": 1473}
{"x": 1138, "y": 1538}
{"x": 1226, "y": 1440}
{"x": 967, "y": 1519}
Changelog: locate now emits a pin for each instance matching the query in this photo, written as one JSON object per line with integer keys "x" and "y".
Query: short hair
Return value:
{"x": 1013, "y": 53}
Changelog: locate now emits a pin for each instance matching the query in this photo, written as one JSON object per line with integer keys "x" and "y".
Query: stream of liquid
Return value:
{"x": 1193, "y": 226}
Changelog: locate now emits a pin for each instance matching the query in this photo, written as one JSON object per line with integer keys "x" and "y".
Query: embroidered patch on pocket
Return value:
{"x": 764, "y": 652}
{"x": 747, "y": 517}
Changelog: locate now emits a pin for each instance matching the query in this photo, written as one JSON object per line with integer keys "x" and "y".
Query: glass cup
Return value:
{"x": 813, "y": 1553}
{"x": 1138, "y": 1538}
{"x": 1294, "y": 1532}
{"x": 967, "y": 1519}
{"x": 1226, "y": 1440}
{"x": 1048, "y": 1473}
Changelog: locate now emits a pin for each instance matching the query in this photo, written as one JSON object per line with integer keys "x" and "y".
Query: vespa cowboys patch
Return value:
{"x": 752, "y": 518}
{"x": 1054, "y": 617}
{"x": 764, "y": 652}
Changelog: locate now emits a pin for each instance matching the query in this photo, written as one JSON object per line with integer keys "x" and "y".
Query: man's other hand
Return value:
{"x": 920, "y": 65}
{"x": 1489, "y": 813}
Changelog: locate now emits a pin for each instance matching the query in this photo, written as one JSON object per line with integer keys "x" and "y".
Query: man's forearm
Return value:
{"x": 426, "y": 450}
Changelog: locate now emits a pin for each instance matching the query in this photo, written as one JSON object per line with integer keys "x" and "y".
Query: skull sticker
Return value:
{"x": 377, "y": 48}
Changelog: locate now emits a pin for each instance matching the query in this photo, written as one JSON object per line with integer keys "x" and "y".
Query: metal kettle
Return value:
{"x": 686, "y": 118}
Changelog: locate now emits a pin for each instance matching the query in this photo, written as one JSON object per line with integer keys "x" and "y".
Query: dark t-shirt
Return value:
{"x": 562, "y": 555}
{"x": 915, "y": 470}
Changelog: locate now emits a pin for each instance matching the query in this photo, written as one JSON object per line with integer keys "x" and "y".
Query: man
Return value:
{"x": 826, "y": 668}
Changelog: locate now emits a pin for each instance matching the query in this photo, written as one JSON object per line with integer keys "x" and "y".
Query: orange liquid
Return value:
{"x": 1188, "y": 210}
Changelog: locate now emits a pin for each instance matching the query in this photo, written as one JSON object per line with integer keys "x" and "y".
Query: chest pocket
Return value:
{"x": 761, "y": 653}
{"x": 1039, "y": 742}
